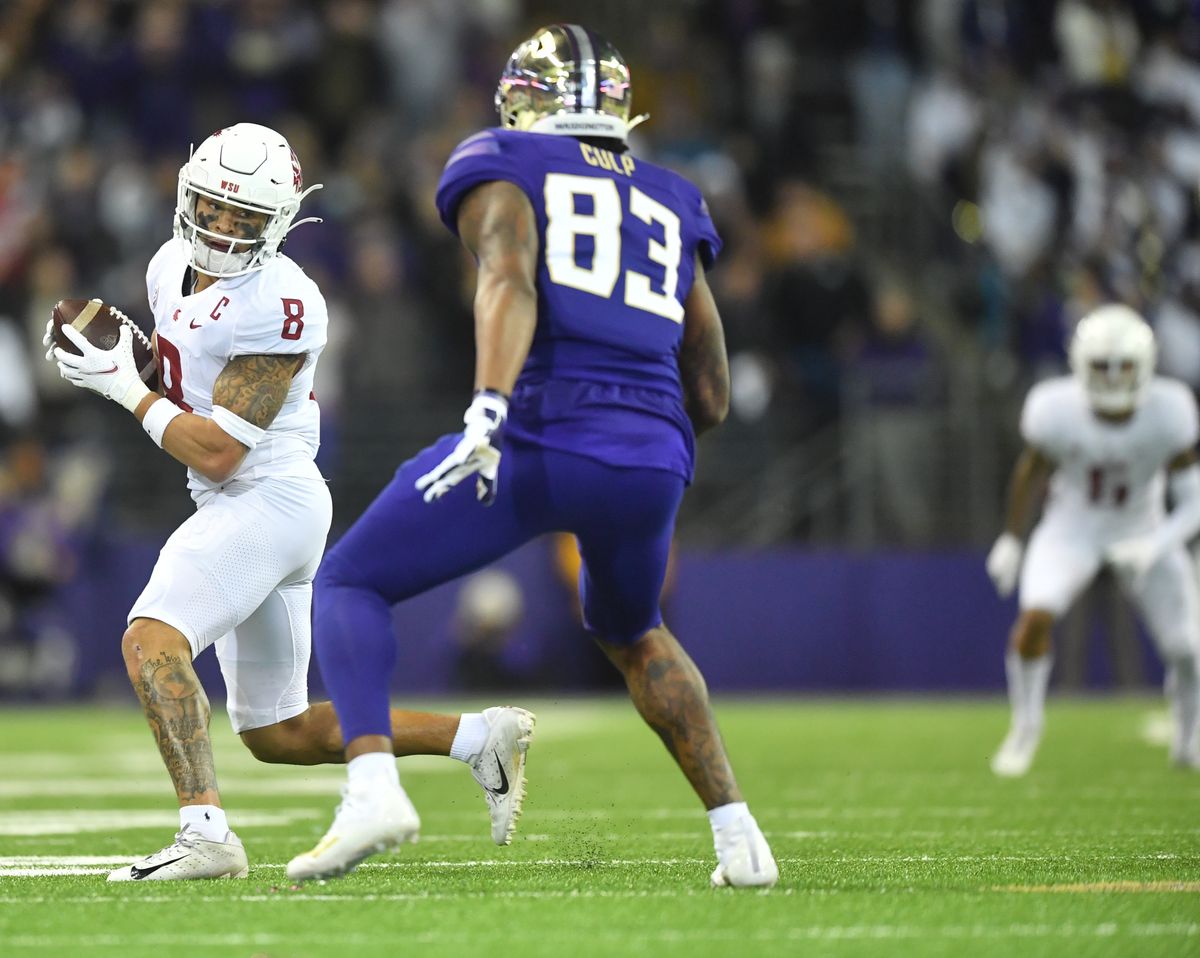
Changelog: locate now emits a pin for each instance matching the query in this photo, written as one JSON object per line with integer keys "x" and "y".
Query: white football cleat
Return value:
{"x": 1016, "y": 752}
{"x": 744, "y": 859}
{"x": 188, "y": 857}
{"x": 499, "y": 767}
{"x": 372, "y": 817}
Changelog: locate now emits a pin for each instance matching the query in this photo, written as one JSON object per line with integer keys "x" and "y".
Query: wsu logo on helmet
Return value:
{"x": 297, "y": 173}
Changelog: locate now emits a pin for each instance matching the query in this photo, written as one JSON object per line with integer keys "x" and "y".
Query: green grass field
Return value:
{"x": 893, "y": 838}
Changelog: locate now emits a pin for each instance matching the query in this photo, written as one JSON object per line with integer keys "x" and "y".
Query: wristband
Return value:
{"x": 492, "y": 403}
{"x": 158, "y": 417}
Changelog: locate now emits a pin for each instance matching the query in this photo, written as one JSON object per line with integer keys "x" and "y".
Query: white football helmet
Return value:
{"x": 568, "y": 80}
{"x": 250, "y": 167}
{"x": 1112, "y": 355}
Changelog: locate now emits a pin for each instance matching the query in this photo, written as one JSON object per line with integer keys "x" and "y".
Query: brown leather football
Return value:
{"x": 101, "y": 324}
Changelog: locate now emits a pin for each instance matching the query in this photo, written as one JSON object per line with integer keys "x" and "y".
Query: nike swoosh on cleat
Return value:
{"x": 139, "y": 873}
{"x": 503, "y": 789}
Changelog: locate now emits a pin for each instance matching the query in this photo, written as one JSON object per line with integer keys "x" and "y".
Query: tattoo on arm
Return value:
{"x": 497, "y": 224}
{"x": 703, "y": 361}
{"x": 255, "y": 387}
{"x": 178, "y": 712}
{"x": 703, "y": 369}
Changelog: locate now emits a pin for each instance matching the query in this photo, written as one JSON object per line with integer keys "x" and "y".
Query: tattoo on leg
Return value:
{"x": 177, "y": 710}
{"x": 671, "y": 696}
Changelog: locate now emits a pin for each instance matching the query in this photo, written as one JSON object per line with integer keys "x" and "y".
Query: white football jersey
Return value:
{"x": 1109, "y": 475}
{"x": 275, "y": 310}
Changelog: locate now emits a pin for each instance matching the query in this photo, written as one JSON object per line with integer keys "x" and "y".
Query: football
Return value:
{"x": 101, "y": 326}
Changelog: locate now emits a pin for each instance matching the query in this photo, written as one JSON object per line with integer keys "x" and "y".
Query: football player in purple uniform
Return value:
{"x": 599, "y": 357}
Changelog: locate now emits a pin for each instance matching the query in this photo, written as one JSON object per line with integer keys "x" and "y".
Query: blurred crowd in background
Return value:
{"x": 919, "y": 199}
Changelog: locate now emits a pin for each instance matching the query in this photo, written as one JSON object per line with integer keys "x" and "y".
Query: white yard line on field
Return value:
{"x": 47, "y": 872}
{"x": 60, "y": 860}
{"x": 35, "y": 865}
{"x": 76, "y": 821}
{"x": 160, "y": 784}
{"x": 311, "y": 937}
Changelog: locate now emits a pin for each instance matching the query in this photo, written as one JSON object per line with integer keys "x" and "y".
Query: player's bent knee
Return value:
{"x": 624, "y": 653}
{"x": 148, "y": 638}
{"x": 272, "y": 744}
{"x": 1032, "y": 634}
{"x": 294, "y": 741}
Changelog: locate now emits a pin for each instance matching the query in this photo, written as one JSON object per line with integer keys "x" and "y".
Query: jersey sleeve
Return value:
{"x": 478, "y": 159}
{"x": 1039, "y": 420}
{"x": 286, "y": 316}
{"x": 708, "y": 243}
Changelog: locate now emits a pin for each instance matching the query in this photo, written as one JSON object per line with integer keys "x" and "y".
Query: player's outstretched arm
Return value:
{"x": 247, "y": 396}
{"x": 703, "y": 365}
{"x": 1025, "y": 490}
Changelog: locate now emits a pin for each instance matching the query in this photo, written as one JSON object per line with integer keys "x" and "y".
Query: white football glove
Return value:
{"x": 477, "y": 452}
{"x": 1133, "y": 557}
{"x": 48, "y": 339}
{"x": 1004, "y": 563}
{"x": 112, "y": 373}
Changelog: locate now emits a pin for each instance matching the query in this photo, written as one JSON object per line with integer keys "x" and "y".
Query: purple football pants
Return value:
{"x": 402, "y": 546}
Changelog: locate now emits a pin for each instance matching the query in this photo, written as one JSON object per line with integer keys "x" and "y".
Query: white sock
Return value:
{"x": 469, "y": 739}
{"x": 1016, "y": 685}
{"x": 373, "y": 766}
{"x": 1182, "y": 687}
{"x": 724, "y": 815}
{"x": 1036, "y": 680}
{"x": 208, "y": 820}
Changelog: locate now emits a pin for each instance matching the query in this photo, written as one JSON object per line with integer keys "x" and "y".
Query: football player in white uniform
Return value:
{"x": 238, "y": 331}
{"x": 1110, "y": 438}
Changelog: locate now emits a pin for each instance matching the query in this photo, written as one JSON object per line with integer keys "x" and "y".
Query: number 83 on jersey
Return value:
{"x": 567, "y": 199}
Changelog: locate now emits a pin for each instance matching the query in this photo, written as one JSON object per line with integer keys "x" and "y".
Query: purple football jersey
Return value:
{"x": 619, "y": 240}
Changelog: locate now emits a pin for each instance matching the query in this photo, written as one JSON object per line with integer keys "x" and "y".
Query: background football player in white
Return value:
{"x": 1108, "y": 439}
{"x": 239, "y": 328}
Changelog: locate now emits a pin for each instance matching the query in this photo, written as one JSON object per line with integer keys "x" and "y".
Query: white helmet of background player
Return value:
{"x": 247, "y": 166}
{"x": 1112, "y": 355}
{"x": 568, "y": 80}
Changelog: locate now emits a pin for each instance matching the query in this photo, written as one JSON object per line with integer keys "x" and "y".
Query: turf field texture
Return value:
{"x": 892, "y": 835}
